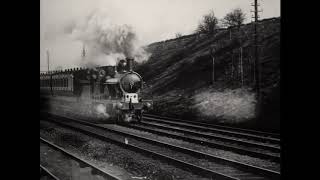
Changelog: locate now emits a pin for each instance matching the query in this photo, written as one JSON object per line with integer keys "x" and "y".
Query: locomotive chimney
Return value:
{"x": 130, "y": 63}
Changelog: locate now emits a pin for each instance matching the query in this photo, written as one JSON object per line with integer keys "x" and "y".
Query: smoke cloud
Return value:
{"x": 105, "y": 41}
{"x": 231, "y": 105}
{"x": 106, "y": 37}
{"x": 152, "y": 21}
{"x": 101, "y": 110}
{"x": 64, "y": 107}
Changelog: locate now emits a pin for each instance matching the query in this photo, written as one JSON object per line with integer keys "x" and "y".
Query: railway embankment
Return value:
{"x": 179, "y": 76}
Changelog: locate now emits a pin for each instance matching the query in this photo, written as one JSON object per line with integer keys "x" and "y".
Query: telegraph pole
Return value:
{"x": 83, "y": 51}
{"x": 48, "y": 60}
{"x": 83, "y": 54}
{"x": 212, "y": 53}
{"x": 241, "y": 67}
{"x": 256, "y": 53}
{"x": 257, "y": 69}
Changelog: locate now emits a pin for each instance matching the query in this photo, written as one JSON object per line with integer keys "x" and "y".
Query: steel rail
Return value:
{"x": 216, "y": 130}
{"x": 46, "y": 171}
{"x": 182, "y": 164}
{"x": 221, "y": 138}
{"x": 241, "y": 166}
{"x": 95, "y": 169}
{"x": 274, "y": 135}
{"x": 222, "y": 146}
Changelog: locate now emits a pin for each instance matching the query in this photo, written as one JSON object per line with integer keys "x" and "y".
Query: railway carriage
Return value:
{"x": 117, "y": 88}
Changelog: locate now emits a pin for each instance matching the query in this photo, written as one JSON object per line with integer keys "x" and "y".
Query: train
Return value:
{"x": 118, "y": 89}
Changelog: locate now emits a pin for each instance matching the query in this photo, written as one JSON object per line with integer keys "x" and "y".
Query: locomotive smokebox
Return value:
{"x": 130, "y": 63}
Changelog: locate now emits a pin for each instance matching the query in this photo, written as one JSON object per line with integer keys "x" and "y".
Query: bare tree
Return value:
{"x": 209, "y": 24}
{"x": 234, "y": 18}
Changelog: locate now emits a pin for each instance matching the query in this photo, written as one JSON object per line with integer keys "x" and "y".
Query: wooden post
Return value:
{"x": 257, "y": 65}
{"x": 241, "y": 66}
{"x": 213, "y": 76}
{"x": 257, "y": 69}
{"x": 232, "y": 62}
{"x": 213, "y": 64}
{"x": 48, "y": 62}
{"x": 48, "y": 59}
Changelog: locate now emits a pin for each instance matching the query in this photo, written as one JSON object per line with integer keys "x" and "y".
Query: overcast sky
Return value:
{"x": 152, "y": 20}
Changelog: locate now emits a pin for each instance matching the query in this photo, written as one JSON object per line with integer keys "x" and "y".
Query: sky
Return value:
{"x": 151, "y": 20}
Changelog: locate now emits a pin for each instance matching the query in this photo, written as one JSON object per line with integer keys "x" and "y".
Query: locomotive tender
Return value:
{"x": 117, "y": 88}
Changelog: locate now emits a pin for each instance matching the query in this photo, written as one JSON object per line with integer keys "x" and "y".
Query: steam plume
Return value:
{"x": 101, "y": 110}
{"x": 105, "y": 41}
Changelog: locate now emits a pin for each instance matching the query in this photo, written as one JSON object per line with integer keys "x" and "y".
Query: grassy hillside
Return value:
{"x": 179, "y": 75}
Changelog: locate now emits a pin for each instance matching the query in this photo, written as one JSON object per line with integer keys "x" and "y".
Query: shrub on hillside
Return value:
{"x": 234, "y": 18}
{"x": 209, "y": 24}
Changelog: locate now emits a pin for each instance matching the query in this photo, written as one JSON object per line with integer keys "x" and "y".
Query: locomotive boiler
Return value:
{"x": 117, "y": 89}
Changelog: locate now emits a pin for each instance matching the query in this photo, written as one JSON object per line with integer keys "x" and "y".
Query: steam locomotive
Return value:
{"x": 117, "y": 88}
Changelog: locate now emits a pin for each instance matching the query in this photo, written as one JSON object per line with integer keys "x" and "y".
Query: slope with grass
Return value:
{"x": 179, "y": 76}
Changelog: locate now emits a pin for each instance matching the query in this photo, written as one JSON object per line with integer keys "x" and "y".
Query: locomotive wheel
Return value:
{"x": 118, "y": 119}
{"x": 139, "y": 117}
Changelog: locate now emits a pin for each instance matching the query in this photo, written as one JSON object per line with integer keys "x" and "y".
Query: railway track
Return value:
{"x": 198, "y": 162}
{"x": 259, "y": 146}
{"x": 44, "y": 172}
{"x": 200, "y": 141}
{"x": 241, "y": 141}
{"x": 237, "y": 132}
{"x": 84, "y": 163}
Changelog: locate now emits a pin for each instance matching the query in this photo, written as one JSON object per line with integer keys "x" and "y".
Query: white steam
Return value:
{"x": 104, "y": 41}
{"x": 232, "y": 105}
{"x": 101, "y": 110}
